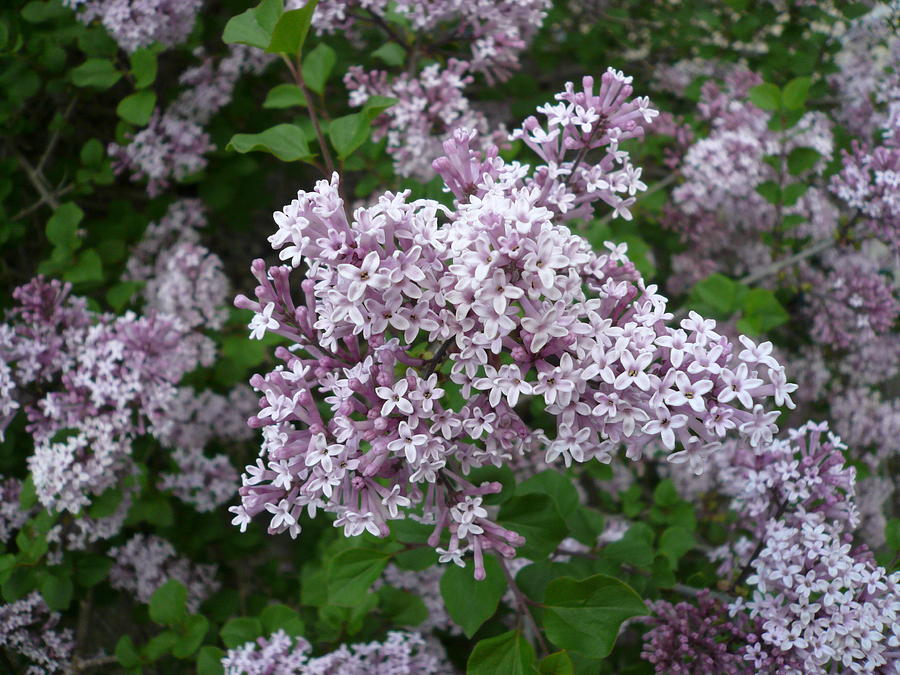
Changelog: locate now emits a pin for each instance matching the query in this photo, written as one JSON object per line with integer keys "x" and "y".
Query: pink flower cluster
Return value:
{"x": 424, "y": 327}
{"x": 28, "y": 628}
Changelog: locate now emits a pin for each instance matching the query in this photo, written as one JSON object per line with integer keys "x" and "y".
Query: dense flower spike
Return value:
{"x": 492, "y": 299}
{"x": 399, "y": 654}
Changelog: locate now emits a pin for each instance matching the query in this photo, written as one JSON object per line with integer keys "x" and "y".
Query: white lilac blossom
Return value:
{"x": 28, "y": 628}
{"x": 174, "y": 144}
{"x": 495, "y": 30}
{"x": 400, "y": 654}
{"x": 146, "y": 562}
{"x": 139, "y": 23}
{"x": 408, "y": 301}
{"x": 429, "y": 106}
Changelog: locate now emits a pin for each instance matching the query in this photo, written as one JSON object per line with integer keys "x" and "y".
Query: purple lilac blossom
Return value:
{"x": 497, "y": 298}
{"x": 174, "y": 143}
{"x": 139, "y": 23}
{"x": 146, "y": 562}
{"x": 496, "y": 30}
{"x": 430, "y": 105}
{"x": 29, "y": 628}
{"x": 400, "y": 654}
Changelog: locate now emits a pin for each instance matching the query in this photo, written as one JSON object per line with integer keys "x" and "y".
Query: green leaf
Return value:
{"x": 766, "y": 96}
{"x": 720, "y": 293}
{"x": 286, "y": 141}
{"x": 240, "y": 631}
{"x": 770, "y": 191}
{"x": 126, "y": 653}
{"x": 290, "y": 31}
{"x": 675, "y": 542}
{"x": 91, "y": 569}
{"x": 537, "y": 519}
{"x": 391, "y": 53}
{"x": 762, "y": 312}
{"x": 892, "y": 533}
{"x": 62, "y": 228}
{"x": 106, "y": 503}
{"x": 92, "y": 153}
{"x": 209, "y": 661}
{"x": 509, "y": 654}
{"x": 96, "y": 74}
{"x": 585, "y": 616}
{"x": 556, "y": 486}
{"x": 120, "y": 295}
{"x": 284, "y": 96}
{"x": 167, "y": 604}
{"x": 28, "y": 493}
{"x": 795, "y": 93}
{"x": 793, "y": 192}
{"x": 159, "y": 645}
{"x": 57, "y": 591}
{"x": 143, "y": 67}
{"x": 802, "y": 159}
{"x": 585, "y": 524}
{"x": 634, "y": 548}
{"x": 317, "y": 66}
{"x": 665, "y": 493}
{"x": 281, "y": 617}
{"x": 351, "y": 573}
{"x": 88, "y": 268}
{"x": 557, "y": 663}
{"x": 254, "y": 27}
{"x": 377, "y": 105}
{"x": 402, "y": 608}
{"x": 138, "y": 107}
{"x": 39, "y": 12}
{"x": 470, "y": 602}
{"x": 349, "y": 132}
{"x": 193, "y": 630}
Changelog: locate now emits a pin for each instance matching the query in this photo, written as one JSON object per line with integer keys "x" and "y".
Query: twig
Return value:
{"x": 435, "y": 360}
{"x": 40, "y": 202}
{"x": 79, "y": 665}
{"x": 522, "y": 602}
{"x": 779, "y": 265}
{"x": 387, "y": 28}
{"x": 297, "y": 73}
{"x": 54, "y": 139}
{"x": 37, "y": 180}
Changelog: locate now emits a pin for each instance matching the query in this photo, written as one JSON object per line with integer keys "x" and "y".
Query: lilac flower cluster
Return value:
{"x": 429, "y": 106}
{"x": 699, "y": 637}
{"x": 204, "y": 482}
{"x": 146, "y": 562}
{"x": 409, "y": 302}
{"x": 140, "y": 23}
{"x": 173, "y": 145}
{"x": 29, "y": 628}
{"x": 717, "y": 209}
{"x": 181, "y": 277}
{"x": 495, "y": 30}
{"x": 400, "y": 654}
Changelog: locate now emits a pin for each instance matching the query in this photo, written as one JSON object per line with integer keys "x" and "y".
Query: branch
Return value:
{"x": 435, "y": 360}
{"x": 522, "y": 602}
{"x": 779, "y": 265}
{"x": 37, "y": 180}
{"x": 297, "y": 73}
